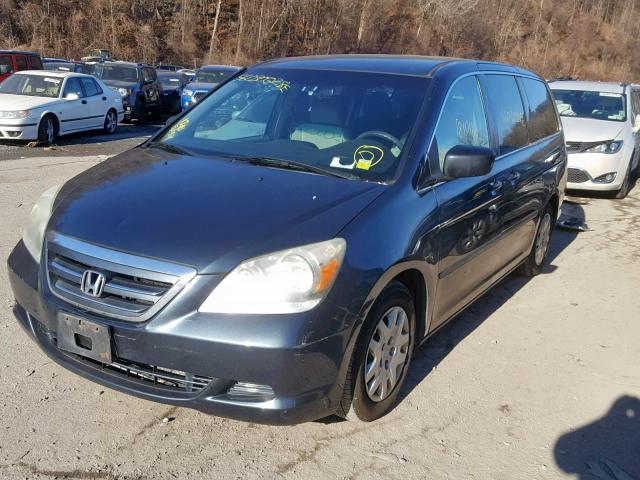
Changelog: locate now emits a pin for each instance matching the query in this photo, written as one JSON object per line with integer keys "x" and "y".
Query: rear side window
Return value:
{"x": 21, "y": 62}
{"x": 463, "y": 121}
{"x": 542, "y": 116}
{"x": 507, "y": 111}
{"x": 90, "y": 87}
{"x": 34, "y": 63}
{"x": 6, "y": 61}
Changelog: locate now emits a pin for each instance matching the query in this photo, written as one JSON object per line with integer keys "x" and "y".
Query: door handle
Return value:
{"x": 84, "y": 102}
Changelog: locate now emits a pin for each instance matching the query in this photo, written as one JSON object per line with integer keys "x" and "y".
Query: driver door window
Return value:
{"x": 463, "y": 120}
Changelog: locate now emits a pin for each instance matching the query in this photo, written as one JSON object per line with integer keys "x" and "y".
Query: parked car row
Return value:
{"x": 144, "y": 92}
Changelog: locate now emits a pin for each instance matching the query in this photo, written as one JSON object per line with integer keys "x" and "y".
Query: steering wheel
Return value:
{"x": 383, "y": 135}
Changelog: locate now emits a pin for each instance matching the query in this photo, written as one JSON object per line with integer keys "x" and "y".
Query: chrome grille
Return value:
{"x": 575, "y": 175}
{"x": 135, "y": 287}
{"x": 198, "y": 96}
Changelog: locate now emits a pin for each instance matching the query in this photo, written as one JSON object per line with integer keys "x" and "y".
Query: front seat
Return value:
{"x": 376, "y": 113}
{"x": 324, "y": 128}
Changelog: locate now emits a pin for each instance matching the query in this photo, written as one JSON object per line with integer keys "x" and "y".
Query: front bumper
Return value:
{"x": 26, "y": 129}
{"x": 306, "y": 378}
{"x": 585, "y": 167}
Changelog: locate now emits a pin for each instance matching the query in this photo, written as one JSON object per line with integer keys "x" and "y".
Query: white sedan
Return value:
{"x": 41, "y": 105}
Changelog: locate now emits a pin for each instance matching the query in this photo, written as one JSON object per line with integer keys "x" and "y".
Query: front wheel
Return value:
{"x": 626, "y": 185}
{"x": 534, "y": 262}
{"x": 46, "y": 131}
{"x": 111, "y": 122}
{"x": 382, "y": 356}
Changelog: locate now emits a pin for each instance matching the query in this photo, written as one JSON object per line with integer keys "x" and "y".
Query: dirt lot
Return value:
{"x": 539, "y": 379}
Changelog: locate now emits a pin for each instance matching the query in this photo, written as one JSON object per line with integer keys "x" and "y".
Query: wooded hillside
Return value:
{"x": 595, "y": 39}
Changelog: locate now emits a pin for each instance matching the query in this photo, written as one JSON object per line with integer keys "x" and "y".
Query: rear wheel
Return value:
{"x": 111, "y": 122}
{"x": 534, "y": 262}
{"x": 47, "y": 130}
{"x": 381, "y": 358}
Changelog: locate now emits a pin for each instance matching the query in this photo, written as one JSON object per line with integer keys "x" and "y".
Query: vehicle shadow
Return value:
{"x": 606, "y": 449}
{"x": 435, "y": 349}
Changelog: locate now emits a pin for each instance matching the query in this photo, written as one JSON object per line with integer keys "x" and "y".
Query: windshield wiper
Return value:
{"x": 167, "y": 147}
{"x": 292, "y": 165}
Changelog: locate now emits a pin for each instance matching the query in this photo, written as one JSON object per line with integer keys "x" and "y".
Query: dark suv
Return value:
{"x": 137, "y": 84}
{"x": 281, "y": 262}
{"x": 15, "y": 60}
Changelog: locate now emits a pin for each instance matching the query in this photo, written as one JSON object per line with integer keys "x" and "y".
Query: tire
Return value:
{"x": 367, "y": 401}
{"x": 137, "y": 113}
{"x": 47, "y": 130}
{"x": 532, "y": 266}
{"x": 111, "y": 122}
{"x": 626, "y": 185}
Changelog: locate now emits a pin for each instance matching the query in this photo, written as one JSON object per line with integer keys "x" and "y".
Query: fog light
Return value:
{"x": 250, "y": 392}
{"x": 606, "y": 178}
{"x": 14, "y": 134}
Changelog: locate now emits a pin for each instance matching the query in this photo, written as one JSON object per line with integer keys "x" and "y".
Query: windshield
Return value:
{"x": 32, "y": 85}
{"x": 355, "y": 124}
{"x": 116, "y": 72}
{"x": 170, "y": 81}
{"x": 597, "y": 105}
{"x": 212, "y": 76}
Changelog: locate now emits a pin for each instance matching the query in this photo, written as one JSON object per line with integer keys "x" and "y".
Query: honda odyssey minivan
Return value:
{"x": 287, "y": 269}
{"x": 602, "y": 129}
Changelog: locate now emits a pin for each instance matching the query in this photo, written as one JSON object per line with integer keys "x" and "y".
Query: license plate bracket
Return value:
{"x": 84, "y": 337}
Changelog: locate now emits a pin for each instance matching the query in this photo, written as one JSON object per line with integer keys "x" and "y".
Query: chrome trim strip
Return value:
{"x": 178, "y": 276}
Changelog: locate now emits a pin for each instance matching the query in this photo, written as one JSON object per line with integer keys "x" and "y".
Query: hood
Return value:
{"x": 119, "y": 84}
{"x": 200, "y": 86}
{"x": 24, "y": 102}
{"x": 207, "y": 213}
{"x": 589, "y": 129}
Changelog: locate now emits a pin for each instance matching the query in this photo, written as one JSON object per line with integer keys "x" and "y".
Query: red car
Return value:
{"x": 13, "y": 61}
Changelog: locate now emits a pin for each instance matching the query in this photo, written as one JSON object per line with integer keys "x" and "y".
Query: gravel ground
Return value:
{"x": 539, "y": 379}
{"x": 85, "y": 143}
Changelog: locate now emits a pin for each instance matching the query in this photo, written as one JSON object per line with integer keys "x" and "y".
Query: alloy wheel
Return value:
{"x": 387, "y": 354}
{"x": 111, "y": 122}
{"x": 543, "y": 238}
{"x": 50, "y": 131}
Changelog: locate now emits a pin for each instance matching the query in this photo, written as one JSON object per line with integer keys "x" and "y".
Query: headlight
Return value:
{"x": 16, "y": 114}
{"x": 613, "y": 146}
{"x": 187, "y": 92}
{"x": 123, "y": 92}
{"x": 33, "y": 234}
{"x": 288, "y": 281}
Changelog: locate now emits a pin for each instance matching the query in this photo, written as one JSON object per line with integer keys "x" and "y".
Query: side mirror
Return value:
{"x": 467, "y": 161}
{"x": 72, "y": 96}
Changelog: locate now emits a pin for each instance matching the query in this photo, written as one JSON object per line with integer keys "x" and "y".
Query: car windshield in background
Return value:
{"x": 32, "y": 85}
{"x": 169, "y": 81}
{"x": 212, "y": 76}
{"x": 344, "y": 123}
{"x": 597, "y": 105}
{"x": 116, "y": 72}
